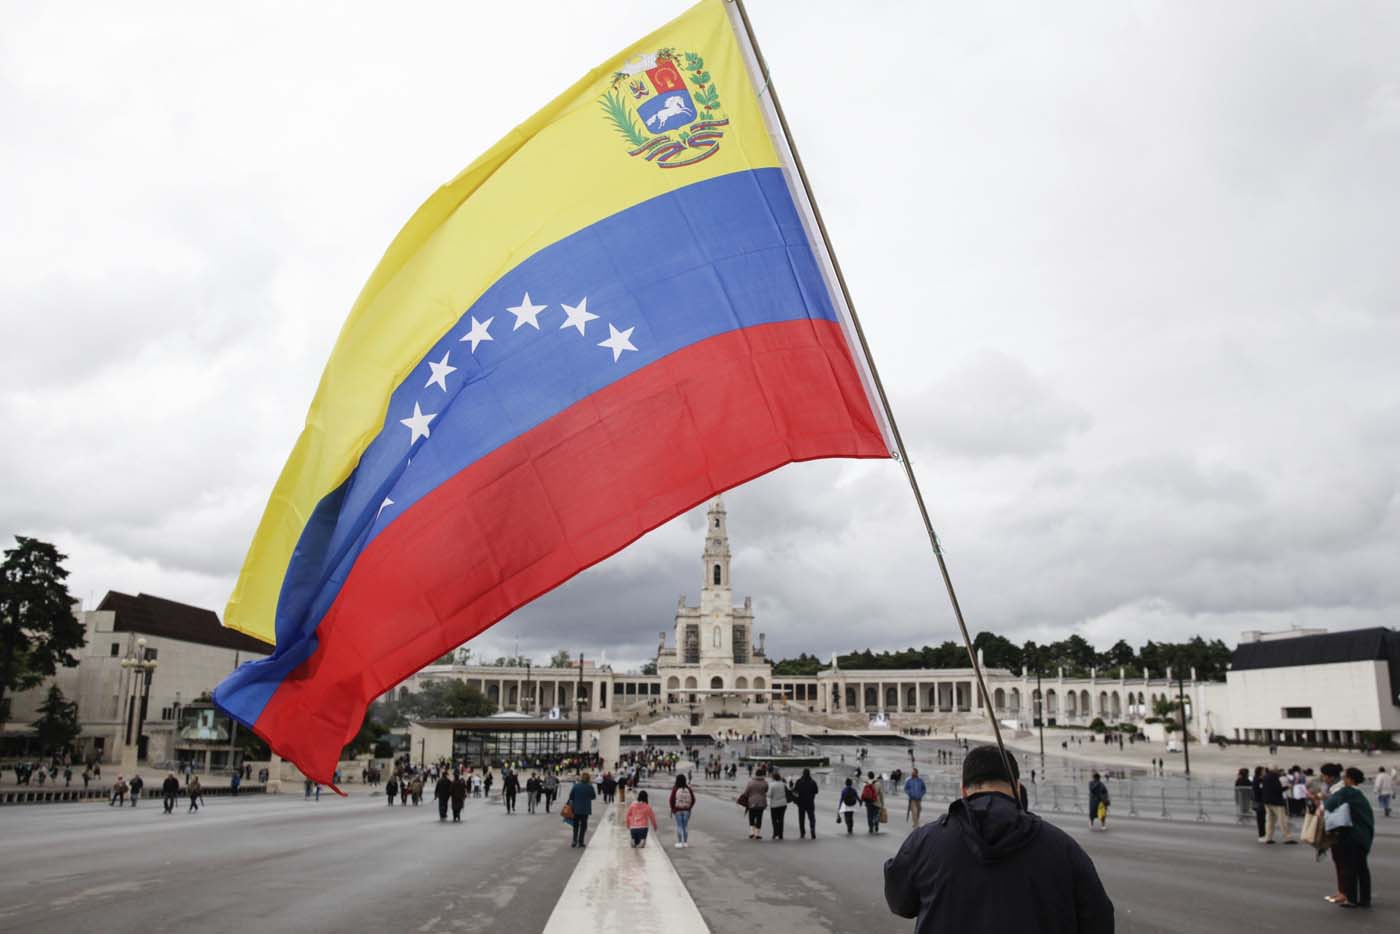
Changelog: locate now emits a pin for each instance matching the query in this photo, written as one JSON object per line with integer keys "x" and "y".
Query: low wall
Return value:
{"x": 24, "y": 795}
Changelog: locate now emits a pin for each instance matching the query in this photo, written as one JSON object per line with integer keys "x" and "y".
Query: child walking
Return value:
{"x": 639, "y": 815}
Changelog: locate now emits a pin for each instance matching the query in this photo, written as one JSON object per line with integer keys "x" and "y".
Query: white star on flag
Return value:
{"x": 418, "y": 423}
{"x": 479, "y": 332}
{"x": 440, "y": 371}
{"x": 618, "y": 341}
{"x": 526, "y": 313}
{"x": 578, "y": 316}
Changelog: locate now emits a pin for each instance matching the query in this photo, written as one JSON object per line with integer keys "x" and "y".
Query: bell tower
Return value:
{"x": 715, "y": 587}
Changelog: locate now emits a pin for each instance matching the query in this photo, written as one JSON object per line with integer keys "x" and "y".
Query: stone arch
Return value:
{"x": 999, "y": 699}
{"x": 673, "y": 683}
{"x": 1085, "y": 707}
{"x": 1015, "y": 700}
{"x": 911, "y": 698}
{"x": 1052, "y": 706}
{"x": 933, "y": 697}
{"x": 691, "y": 684}
{"x": 716, "y": 683}
{"x": 1071, "y": 704}
{"x": 1103, "y": 703}
{"x": 513, "y": 695}
{"x": 741, "y": 682}
{"x": 717, "y": 575}
{"x": 891, "y": 698}
{"x": 758, "y": 684}
{"x": 872, "y": 697}
{"x": 1115, "y": 704}
{"x": 850, "y": 698}
{"x": 493, "y": 694}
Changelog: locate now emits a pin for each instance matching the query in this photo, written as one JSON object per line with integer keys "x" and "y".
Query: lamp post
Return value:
{"x": 141, "y": 668}
{"x": 1185, "y": 737}
{"x": 578, "y": 706}
{"x": 527, "y": 701}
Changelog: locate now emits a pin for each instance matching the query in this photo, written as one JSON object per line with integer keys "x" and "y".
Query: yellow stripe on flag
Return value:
{"x": 565, "y": 168}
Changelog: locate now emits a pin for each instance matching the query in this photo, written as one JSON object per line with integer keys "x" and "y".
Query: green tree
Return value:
{"x": 561, "y": 659}
{"x": 998, "y": 651}
{"x": 803, "y": 664}
{"x": 58, "y": 724}
{"x": 447, "y": 699}
{"x": 649, "y": 668}
{"x": 38, "y": 632}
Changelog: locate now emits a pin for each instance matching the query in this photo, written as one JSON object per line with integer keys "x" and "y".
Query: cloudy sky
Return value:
{"x": 1129, "y": 270}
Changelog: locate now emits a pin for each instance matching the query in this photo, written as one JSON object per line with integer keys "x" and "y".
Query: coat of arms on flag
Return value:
{"x": 667, "y": 108}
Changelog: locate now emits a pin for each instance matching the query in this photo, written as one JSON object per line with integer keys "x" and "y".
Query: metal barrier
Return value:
{"x": 60, "y": 795}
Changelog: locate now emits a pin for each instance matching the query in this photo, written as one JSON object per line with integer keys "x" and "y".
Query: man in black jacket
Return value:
{"x": 988, "y": 865}
{"x": 442, "y": 792}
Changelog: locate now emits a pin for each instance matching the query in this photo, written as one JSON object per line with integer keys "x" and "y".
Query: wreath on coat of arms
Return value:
{"x": 667, "y": 108}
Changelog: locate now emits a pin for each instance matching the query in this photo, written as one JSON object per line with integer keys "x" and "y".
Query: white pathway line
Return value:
{"x": 615, "y": 887}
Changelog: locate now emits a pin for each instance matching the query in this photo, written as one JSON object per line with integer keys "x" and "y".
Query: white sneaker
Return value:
{"x": 679, "y": 845}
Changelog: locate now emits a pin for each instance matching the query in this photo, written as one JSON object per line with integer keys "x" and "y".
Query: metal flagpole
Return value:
{"x": 903, "y": 454}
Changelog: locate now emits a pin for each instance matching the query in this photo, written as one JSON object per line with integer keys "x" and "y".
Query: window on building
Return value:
{"x": 717, "y": 639}
{"x": 1297, "y": 713}
{"x": 716, "y": 523}
{"x": 116, "y": 649}
{"x": 150, "y": 655}
{"x": 716, "y": 575}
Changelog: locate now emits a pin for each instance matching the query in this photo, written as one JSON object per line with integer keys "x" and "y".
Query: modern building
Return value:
{"x": 140, "y": 682}
{"x": 1311, "y": 687}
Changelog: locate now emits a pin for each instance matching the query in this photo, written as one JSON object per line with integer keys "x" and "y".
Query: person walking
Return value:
{"x": 846, "y": 806}
{"x": 118, "y": 793}
{"x": 1276, "y": 811}
{"x": 442, "y": 792}
{"x": 682, "y": 803}
{"x": 415, "y": 790}
{"x": 169, "y": 791}
{"x": 532, "y": 792}
{"x": 581, "y": 797}
{"x": 551, "y": 790}
{"x": 777, "y": 803}
{"x": 639, "y": 816}
{"x": 873, "y": 797}
{"x": 1355, "y": 834}
{"x": 196, "y": 793}
{"x": 391, "y": 789}
{"x": 1098, "y": 802}
{"x": 459, "y": 796}
{"x": 487, "y": 784}
{"x": 137, "y": 783}
{"x": 510, "y": 787}
{"x": 914, "y": 790}
{"x": 1385, "y": 789}
{"x": 804, "y": 795}
{"x": 1024, "y": 875}
{"x": 754, "y": 801}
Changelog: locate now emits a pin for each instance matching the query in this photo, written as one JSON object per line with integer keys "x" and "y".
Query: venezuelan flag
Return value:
{"x": 614, "y": 314}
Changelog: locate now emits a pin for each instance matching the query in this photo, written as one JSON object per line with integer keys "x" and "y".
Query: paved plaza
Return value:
{"x": 349, "y": 865}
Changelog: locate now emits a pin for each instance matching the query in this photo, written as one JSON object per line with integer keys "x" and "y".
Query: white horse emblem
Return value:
{"x": 674, "y": 106}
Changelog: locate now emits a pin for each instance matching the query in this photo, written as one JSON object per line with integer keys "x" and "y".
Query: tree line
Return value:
{"x": 1075, "y": 655}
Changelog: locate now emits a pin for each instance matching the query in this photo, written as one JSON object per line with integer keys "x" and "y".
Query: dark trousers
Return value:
{"x": 580, "y": 828}
{"x": 169, "y": 803}
{"x": 1355, "y": 874}
{"x": 850, "y": 821}
{"x": 1259, "y": 818}
{"x": 807, "y": 814}
{"x": 779, "y": 814}
{"x": 756, "y": 818}
{"x": 872, "y": 816}
{"x": 548, "y": 799}
{"x": 510, "y": 802}
{"x": 442, "y": 809}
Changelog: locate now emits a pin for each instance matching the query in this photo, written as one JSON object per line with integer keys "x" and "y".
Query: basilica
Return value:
{"x": 713, "y": 665}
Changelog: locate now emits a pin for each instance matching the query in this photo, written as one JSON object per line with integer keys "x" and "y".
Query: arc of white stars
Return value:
{"x": 440, "y": 371}
{"x": 526, "y": 313}
{"x": 578, "y": 316}
{"x": 417, "y": 424}
{"x": 479, "y": 332}
{"x": 618, "y": 341}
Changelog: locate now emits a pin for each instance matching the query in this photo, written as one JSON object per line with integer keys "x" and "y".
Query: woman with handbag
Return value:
{"x": 754, "y": 800}
{"x": 1349, "y": 814}
{"x": 1098, "y": 802}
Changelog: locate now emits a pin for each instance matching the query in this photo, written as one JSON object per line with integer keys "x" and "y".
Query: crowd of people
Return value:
{"x": 1334, "y": 814}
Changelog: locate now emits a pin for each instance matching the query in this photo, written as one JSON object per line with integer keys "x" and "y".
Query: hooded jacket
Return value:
{"x": 987, "y": 865}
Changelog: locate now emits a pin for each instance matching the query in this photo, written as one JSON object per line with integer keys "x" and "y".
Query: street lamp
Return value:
{"x": 139, "y": 665}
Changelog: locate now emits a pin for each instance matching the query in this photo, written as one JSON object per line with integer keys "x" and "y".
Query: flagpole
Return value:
{"x": 903, "y": 454}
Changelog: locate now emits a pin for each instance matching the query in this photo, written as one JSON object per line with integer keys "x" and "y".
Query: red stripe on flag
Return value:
{"x": 564, "y": 496}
